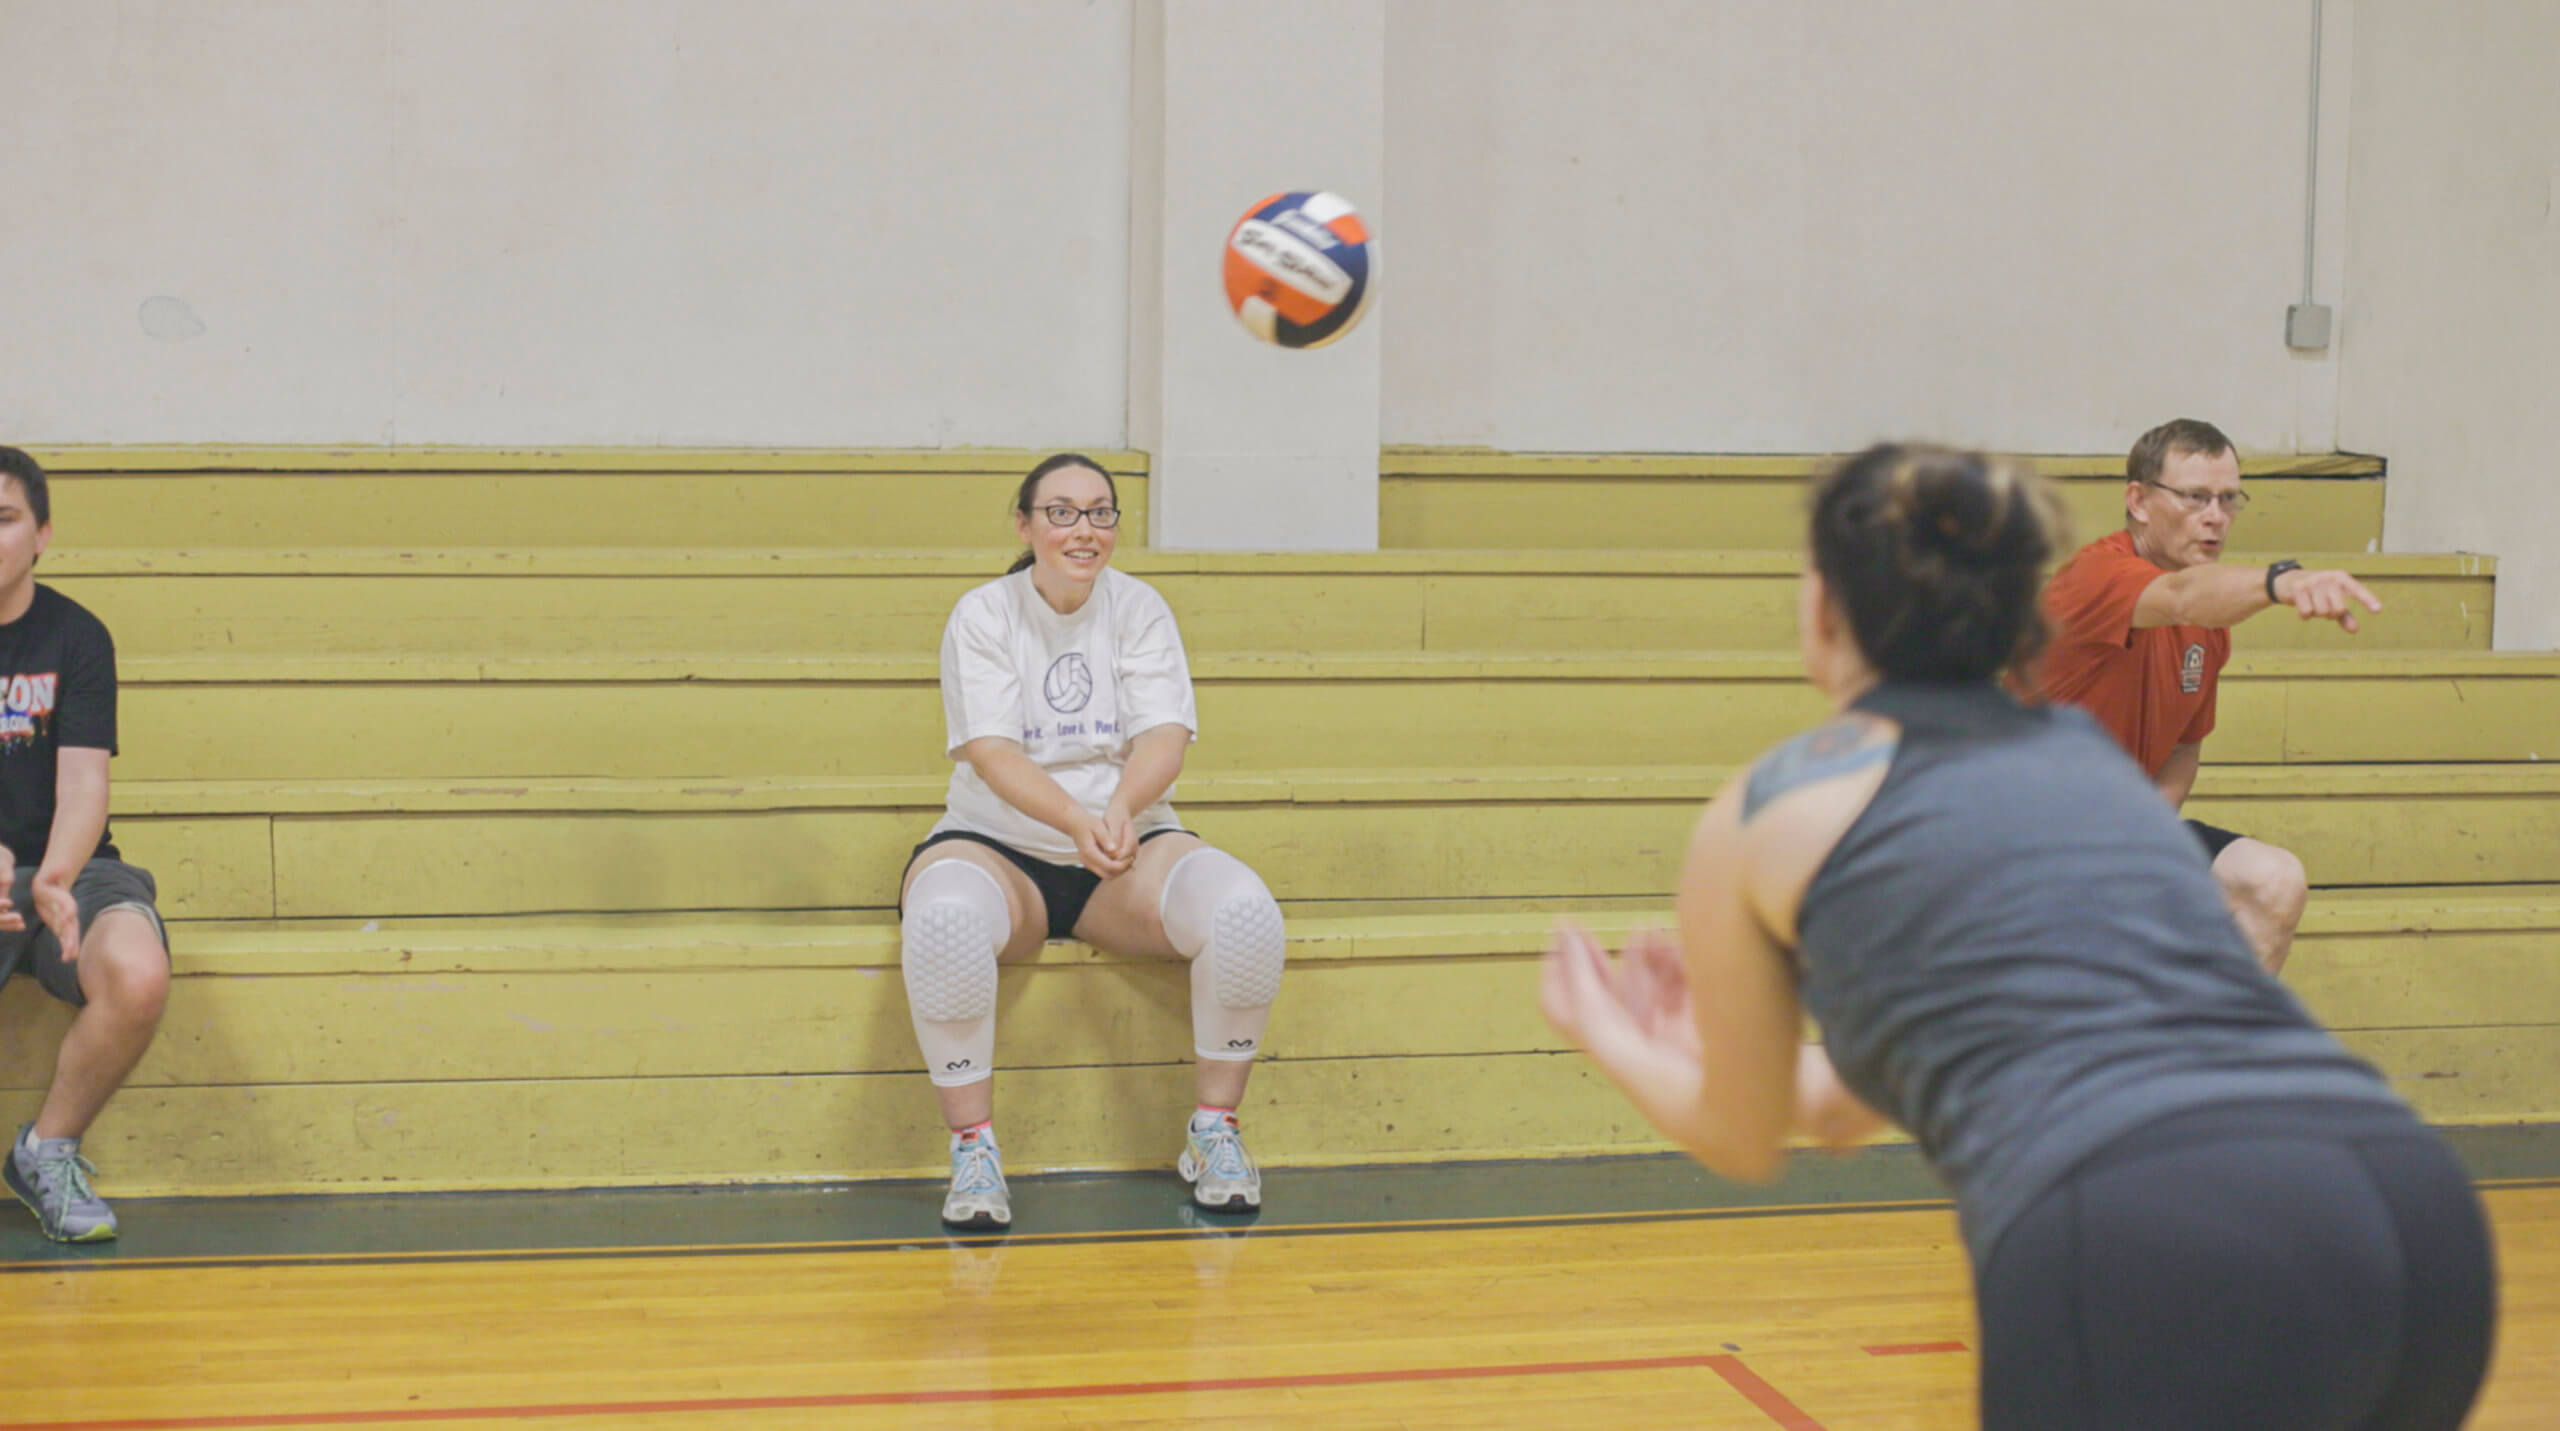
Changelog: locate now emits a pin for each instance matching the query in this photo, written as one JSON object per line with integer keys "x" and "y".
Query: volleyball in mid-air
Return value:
{"x": 1300, "y": 269}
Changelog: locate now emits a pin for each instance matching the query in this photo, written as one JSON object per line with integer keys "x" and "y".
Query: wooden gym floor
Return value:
{"x": 1613, "y": 1292}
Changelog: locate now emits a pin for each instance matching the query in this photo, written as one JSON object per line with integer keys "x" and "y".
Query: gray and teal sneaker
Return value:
{"x": 1221, "y": 1173}
{"x": 978, "y": 1196}
{"x": 50, "y": 1177}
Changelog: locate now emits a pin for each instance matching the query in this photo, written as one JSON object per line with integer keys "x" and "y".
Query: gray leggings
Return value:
{"x": 2264, "y": 1267}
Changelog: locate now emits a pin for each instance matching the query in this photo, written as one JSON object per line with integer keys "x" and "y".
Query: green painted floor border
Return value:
{"x": 895, "y": 1215}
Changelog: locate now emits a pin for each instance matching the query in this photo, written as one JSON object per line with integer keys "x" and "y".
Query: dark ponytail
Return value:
{"x": 1030, "y": 491}
{"x": 1937, "y": 557}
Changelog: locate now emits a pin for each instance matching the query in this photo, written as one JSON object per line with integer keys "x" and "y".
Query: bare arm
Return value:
{"x": 1154, "y": 763}
{"x": 2178, "y": 776}
{"x": 1728, "y": 1106}
{"x": 1750, "y": 1026}
{"x": 79, "y": 818}
{"x": 1826, "y": 1111}
{"x": 1019, "y": 781}
{"x": 2216, "y": 595}
{"x": 1707, "y": 1039}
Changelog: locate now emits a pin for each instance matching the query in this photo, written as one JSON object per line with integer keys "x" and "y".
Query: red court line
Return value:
{"x": 1738, "y": 1376}
{"x": 1761, "y": 1394}
{"x": 1914, "y": 1348}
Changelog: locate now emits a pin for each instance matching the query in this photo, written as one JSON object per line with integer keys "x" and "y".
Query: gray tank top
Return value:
{"x": 2019, "y": 953}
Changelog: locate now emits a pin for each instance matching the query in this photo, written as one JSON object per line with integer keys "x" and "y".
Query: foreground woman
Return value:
{"x": 2185, "y": 1204}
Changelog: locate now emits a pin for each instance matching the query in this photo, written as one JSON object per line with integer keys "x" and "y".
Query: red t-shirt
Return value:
{"x": 2152, "y": 689}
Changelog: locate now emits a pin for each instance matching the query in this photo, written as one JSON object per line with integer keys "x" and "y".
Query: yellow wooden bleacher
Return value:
{"x": 531, "y": 819}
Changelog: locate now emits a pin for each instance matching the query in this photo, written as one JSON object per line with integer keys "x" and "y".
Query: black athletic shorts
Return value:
{"x": 1063, "y": 888}
{"x": 2303, "y": 1266}
{"x": 101, "y": 885}
{"x": 2214, "y": 838}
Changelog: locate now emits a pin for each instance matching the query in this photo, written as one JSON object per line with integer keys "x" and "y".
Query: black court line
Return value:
{"x": 1051, "y": 1209}
{"x": 1243, "y": 1228}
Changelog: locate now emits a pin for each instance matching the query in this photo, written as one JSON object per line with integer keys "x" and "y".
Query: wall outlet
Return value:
{"x": 2306, "y": 326}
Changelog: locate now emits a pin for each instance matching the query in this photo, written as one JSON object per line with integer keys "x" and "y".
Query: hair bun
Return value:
{"x": 1936, "y": 555}
{"x": 1972, "y": 509}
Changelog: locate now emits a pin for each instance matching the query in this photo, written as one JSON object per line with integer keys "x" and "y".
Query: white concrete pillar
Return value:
{"x": 1254, "y": 447}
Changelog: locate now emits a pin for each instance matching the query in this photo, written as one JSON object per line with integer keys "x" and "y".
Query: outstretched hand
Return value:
{"x": 10, "y": 919}
{"x": 1633, "y": 1015}
{"x": 2326, "y": 596}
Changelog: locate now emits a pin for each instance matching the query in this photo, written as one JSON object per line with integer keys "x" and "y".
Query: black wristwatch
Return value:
{"x": 2277, "y": 570}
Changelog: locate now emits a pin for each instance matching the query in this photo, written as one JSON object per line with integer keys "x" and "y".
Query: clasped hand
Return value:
{"x": 54, "y": 906}
{"x": 1107, "y": 844}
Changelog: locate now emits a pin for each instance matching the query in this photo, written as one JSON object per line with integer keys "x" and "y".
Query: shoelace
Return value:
{"x": 1225, "y": 1151}
{"x": 63, "y": 1181}
{"x": 976, "y": 1170}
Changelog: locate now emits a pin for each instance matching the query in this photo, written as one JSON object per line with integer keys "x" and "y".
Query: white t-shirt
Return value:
{"x": 1073, "y": 690}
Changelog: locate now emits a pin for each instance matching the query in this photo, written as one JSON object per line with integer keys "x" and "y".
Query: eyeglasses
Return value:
{"x": 2195, "y": 501}
{"x": 1062, "y": 515}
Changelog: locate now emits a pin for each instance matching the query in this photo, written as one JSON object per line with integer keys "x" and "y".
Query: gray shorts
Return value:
{"x": 101, "y": 885}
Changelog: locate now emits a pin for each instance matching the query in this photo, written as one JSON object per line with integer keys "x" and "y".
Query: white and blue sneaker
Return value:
{"x": 1221, "y": 1173}
{"x": 978, "y": 1195}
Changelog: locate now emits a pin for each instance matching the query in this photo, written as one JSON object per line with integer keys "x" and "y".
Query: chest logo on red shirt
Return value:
{"x": 26, "y": 709}
{"x": 2191, "y": 668}
{"x": 1069, "y": 684}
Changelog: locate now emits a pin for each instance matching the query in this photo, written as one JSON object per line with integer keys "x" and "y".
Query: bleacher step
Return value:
{"x": 590, "y": 1050}
{"x": 558, "y": 601}
{"x": 420, "y": 717}
{"x": 1457, "y": 498}
{"x": 272, "y": 849}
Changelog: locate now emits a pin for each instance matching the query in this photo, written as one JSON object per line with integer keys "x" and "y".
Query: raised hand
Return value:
{"x": 1652, "y": 984}
{"x": 1633, "y": 1017}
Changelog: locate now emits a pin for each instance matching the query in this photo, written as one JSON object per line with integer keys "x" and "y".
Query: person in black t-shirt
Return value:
{"x": 95, "y": 941}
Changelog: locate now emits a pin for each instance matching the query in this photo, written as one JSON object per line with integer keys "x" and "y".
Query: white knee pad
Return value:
{"x": 1221, "y": 917}
{"x": 955, "y": 923}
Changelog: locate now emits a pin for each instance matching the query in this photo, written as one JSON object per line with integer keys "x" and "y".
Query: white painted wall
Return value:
{"x": 1676, "y": 224}
{"x": 1254, "y": 447}
{"x": 769, "y": 222}
{"x": 1666, "y": 224}
{"x": 1798, "y": 225}
{"x": 2450, "y": 336}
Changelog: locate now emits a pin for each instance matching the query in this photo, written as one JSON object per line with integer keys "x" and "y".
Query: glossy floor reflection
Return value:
{"x": 1613, "y": 1292}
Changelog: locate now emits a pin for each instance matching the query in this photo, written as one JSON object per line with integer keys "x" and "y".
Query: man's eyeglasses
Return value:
{"x": 2192, "y": 499}
{"x": 1062, "y": 515}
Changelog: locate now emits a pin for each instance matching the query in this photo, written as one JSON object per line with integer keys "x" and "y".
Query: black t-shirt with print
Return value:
{"x": 57, "y": 688}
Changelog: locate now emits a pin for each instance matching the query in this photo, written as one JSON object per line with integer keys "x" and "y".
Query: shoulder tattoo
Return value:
{"x": 1851, "y": 743}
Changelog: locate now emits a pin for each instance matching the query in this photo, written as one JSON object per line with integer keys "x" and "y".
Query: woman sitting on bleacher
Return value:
{"x": 1068, "y": 708}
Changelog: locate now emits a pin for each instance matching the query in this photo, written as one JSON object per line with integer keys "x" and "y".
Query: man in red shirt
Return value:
{"x": 2141, "y": 622}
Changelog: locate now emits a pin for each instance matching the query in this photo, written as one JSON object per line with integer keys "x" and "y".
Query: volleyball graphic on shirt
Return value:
{"x": 1069, "y": 684}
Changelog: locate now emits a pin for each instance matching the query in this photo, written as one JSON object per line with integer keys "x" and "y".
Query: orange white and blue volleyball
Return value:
{"x": 1300, "y": 269}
